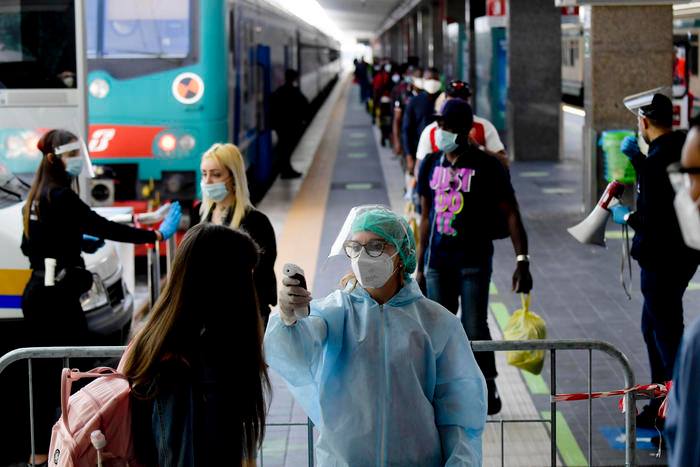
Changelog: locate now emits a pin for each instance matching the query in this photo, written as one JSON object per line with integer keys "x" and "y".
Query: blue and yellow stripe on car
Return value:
{"x": 12, "y": 283}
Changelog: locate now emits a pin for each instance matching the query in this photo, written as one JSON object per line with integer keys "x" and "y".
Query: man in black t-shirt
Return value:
{"x": 467, "y": 201}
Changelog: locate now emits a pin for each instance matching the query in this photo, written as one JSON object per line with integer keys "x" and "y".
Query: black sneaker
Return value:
{"x": 494, "y": 399}
{"x": 648, "y": 418}
{"x": 290, "y": 174}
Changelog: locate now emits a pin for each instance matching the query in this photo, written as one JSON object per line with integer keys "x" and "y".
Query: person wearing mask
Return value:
{"x": 58, "y": 227}
{"x": 400, "y": 95}
{"x": 483, "y": 134}
{"x": 289, "y": 115}
{"x": 225, "y": 201}
{"x": 184, "y": 410}
{"x": 666, "y": 263}
{"x": 419, "y": 114}
{"x": 358, "y": 358}
{"x": 467, "y": 201}
{"x": 682, "y": 429}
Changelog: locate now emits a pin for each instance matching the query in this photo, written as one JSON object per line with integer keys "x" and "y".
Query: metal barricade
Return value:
{"x": 66, "y": 353}
{"x": 574, "y": 344}
{"x": 552, "y": 346}
{"x": 153, "y": 266}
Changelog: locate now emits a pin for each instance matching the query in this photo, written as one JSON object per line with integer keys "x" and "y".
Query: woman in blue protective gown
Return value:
{"x": 386, "y": 375}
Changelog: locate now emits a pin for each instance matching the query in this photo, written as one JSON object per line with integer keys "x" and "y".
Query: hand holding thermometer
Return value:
{"x": 293, "y": 271}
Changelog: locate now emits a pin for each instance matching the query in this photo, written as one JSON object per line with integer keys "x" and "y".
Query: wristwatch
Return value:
{"x": 523, "y": 258}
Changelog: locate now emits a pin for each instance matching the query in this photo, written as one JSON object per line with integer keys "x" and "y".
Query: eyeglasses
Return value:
{"x": 679, "y": 175}
{"x": 374, "y": 248}
{"x": 676, "y": 167}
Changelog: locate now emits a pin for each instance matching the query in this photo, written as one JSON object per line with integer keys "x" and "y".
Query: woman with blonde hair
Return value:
{"x": 226, "y": 201}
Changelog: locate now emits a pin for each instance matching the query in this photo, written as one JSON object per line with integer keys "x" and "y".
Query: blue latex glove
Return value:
{"x": 619, "y": 212}
{"x": 91, "y": 244}
{"x": 630, "y": 148}
{"x": 171, "y": 221}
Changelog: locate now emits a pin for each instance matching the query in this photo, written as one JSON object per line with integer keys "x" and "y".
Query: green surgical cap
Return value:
{"x": 392, "y": 228}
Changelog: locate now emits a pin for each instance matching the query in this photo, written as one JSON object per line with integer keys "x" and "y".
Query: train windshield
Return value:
{"x": 37, "y": 44}
{"x": 132, "y": 29}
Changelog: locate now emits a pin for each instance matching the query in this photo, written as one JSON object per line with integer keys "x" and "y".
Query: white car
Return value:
{"x": 108, "y": 305}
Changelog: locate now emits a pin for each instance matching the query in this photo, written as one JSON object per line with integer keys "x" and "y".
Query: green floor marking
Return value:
{"x": 358, "y": 186}
{"x": 694, "y": 286}
{"x": 534, "y": 174}
{"x": 357, "y": 134}
{"x": 535, "y": 383}
{"x": 355, "y": 144}
{"x": 492, "y": 289}
{"x": 569, "y": 450}
{"x": 558, "y": 191}
{"x": 357, "y": 155}
{"x": 617, "y": 234}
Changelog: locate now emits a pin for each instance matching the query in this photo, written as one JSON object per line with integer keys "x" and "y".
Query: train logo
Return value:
{"x": 99, "y": 141}
{"x": 188, "y": 88}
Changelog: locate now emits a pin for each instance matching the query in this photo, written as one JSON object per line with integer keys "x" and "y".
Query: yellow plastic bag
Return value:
{"x": 525, "y": 325}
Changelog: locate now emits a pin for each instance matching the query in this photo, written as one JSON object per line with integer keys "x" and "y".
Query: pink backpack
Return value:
{"x": 95, "y": 423}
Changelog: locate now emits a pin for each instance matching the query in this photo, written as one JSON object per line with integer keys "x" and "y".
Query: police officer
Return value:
{"x": 56, "y": 222}
{"x": 667, "y": 264}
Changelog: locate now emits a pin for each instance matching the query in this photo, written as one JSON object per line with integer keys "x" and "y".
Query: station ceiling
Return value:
{"x": 360, "y": 19}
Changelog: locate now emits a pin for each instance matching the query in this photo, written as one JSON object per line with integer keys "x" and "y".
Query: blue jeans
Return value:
{"x": 471, "y": 285}
{"x": 662, "y": 315}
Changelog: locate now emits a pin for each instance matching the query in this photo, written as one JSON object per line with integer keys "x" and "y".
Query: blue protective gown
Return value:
{"x": 393, "y": 384}
{"x": 683, "y": 416}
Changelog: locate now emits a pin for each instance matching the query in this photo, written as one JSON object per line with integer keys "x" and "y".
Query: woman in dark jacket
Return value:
{"x": 199, "y": 379}
{"x": 226, "y": 201}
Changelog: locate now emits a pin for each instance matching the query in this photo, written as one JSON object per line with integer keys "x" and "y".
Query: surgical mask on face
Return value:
{"x": 215, "y": 191}
{"x": 396, "y": 78}
{"x": 432, "y": 86}
{"x": 387, "y": 68}
{"x": 686, "y": 211}
{"x": 643, "y": 144}
{"x": 373, "y": 273}
{"x": 74, "y": 165}
{"x": 418, "y": 83}
{"x": 446, "y": 141}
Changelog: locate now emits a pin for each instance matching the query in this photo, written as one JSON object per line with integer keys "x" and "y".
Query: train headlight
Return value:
{"x": 167, "y": 143}
{"x": 96, "y": 297}
{"x": 187, "y": 142}
{"x": 99, "y": 88}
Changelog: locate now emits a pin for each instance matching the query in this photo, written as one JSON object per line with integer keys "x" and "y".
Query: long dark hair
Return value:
{"x": 210, "y": 288}
{"x": 51, "y": 172}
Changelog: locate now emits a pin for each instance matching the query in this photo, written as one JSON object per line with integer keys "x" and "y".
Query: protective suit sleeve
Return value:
{"x": 460, "y": 402}
{"x": 683, "y": 420}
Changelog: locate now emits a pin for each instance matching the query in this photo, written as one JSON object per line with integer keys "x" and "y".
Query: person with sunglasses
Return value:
{"x": 682, "y": 428}
{"x": 666, "y": 263}
{"x": 386, "y": 375}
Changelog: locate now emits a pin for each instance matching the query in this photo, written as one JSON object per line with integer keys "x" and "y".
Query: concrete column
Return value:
{"x": 472, "y": 10}
{"x": 534, "y": 70}
{"x": 439, "y": 26}
{"x": 627, "y": 49}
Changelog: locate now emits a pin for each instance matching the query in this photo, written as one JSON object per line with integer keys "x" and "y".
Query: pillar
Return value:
{"x": 534, "y": 71}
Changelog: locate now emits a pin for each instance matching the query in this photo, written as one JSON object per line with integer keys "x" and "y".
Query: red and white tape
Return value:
{"x": 648, "y": 391}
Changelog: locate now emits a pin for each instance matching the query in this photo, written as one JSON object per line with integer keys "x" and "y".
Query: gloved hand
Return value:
{"x": 91, "y": 244}
{"x": 630, "y": 147}
{"x": 619, "y": 212}
{"x": 171, "y": 221}
{"x": 522, "y": 279}
{"x": 293, "y": 301}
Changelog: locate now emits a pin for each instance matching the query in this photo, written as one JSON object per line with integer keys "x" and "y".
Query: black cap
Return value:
{"x": 660, "y": 110}
{"x": 459, "y": 89}
{"x": 457, "y": 115}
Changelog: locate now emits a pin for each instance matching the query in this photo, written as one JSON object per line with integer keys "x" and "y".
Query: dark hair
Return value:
{"x": 694, "y": 122}
{"x": 290, "y": 75}
{"x": 209, "y": 307}
{"x": 51, "y": 172}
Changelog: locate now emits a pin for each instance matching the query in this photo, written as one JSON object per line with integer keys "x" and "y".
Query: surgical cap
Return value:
{"x": 392, "y": 228}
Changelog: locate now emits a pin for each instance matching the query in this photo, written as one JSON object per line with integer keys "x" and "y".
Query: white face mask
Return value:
{"x": 432, "y": 86}
{"x": 373, "y": 273}
{"x": 686, "y": 211}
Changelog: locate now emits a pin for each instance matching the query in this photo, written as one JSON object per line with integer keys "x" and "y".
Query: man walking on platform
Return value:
{"x": 667, "y": 264}
{"x": 467, "y": 201}
{"x": 288, "y": 117}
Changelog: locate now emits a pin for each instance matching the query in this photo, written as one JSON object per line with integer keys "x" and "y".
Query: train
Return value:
{"x": 167, "y": 79}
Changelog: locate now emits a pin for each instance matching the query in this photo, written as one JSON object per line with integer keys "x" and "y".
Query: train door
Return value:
{"x": 263, "y": 86}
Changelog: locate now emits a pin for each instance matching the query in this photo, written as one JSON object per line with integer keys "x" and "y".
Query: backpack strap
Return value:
{"x": 433, "y": 144}
{"x": 67, "y": 378}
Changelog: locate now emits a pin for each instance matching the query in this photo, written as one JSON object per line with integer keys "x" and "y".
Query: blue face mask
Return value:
{"x": 74, "y": 165}
{"x": 215, "y": 191}
{"x": 445, "y": 140}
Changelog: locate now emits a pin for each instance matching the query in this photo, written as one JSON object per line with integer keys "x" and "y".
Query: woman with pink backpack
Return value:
{"x": 204, "y": 331}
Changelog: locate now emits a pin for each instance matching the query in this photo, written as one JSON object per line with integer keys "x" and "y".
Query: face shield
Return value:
{"x": 87, "y": 169}
{"x": 383, "y": 222}
{"x": 635, "y": 103}
{"x": 685, "y": 206}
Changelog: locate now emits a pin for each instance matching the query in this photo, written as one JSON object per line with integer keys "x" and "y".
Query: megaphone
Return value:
{"x": 591, "y": 230}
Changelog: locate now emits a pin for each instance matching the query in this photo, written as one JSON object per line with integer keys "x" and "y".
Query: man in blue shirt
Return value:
{"x": 467, "y": 201}
{"x": 419, "y": 113}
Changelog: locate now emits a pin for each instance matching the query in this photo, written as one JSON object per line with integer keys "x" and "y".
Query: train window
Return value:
{"x": 139, "y": 28}
{"x": 693, "y": 57}
{"x": 37, "y": 44}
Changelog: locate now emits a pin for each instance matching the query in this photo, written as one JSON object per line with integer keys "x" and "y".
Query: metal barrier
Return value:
{"x": 575, "y": 344}
{"x": 153, "y": 267}
{"x": 66, "y": 353}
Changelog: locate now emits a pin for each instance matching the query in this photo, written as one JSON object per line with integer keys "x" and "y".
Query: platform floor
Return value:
{"x": 576, "y": 287}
